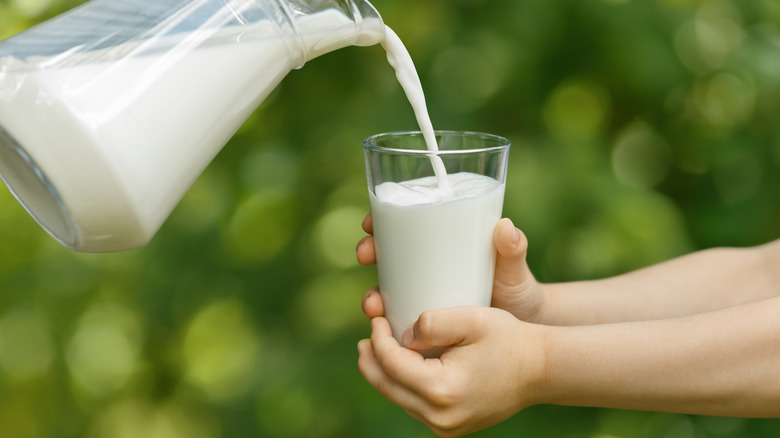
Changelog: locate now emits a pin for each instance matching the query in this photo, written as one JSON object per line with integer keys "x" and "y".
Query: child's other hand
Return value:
{"x": 514, "y": 287}
{"x": 365, "y": 251}
{"x": 490, "y": 368}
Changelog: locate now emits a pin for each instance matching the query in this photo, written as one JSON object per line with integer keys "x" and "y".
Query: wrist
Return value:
{"x": 565, "y": 356}
{"x": 535, "y": 364}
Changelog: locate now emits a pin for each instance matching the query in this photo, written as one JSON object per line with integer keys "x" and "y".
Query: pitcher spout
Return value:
{"x": 332, "y": 25}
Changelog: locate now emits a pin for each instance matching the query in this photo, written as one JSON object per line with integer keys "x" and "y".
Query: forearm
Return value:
{"x": 723, "y": 362}
{"x": 698, "y": 282}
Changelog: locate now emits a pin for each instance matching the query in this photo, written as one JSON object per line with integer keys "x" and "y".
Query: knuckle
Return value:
{"x": 424, "y": 324}
{"x": 393, "y": 368}
{"x": 444, "y": 423}
{"x": 442, "y": 395}
{"x": 480, "y": 321}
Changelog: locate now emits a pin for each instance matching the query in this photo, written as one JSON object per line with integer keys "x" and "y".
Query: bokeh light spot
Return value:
{"x": 104, "y": 350}
{"x": 585, "y": 252}
{"x": 261, "y": 227}
{"x": 576, "y": 110}
{"x": 707, "y": 41}
{"x": 649, "y": 220}
{"x": 134, "y": 418}
{"x": 331, "y": 303}
{"x": 724, "y": 100}
{"x": 336, "y": 234}
{"x": 221, "y": 350}
{"x": 31, "y": 8}
{"x": 466, "y": 76}
{"x": 640, "y": 158}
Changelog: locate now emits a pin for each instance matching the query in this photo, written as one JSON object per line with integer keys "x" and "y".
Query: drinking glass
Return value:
{"x": 438, "y": 254}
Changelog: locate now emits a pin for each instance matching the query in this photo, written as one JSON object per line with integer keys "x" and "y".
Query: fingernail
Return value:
{"x": 509, "y": 223}
{"x": 408, "y": 335}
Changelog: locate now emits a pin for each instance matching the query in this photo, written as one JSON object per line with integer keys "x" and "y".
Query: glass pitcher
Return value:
{"x": 109, "y": 112}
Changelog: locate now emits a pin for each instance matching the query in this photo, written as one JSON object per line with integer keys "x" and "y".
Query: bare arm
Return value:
{"x": 723, "y": 362}
{"x": 699, "y": 282}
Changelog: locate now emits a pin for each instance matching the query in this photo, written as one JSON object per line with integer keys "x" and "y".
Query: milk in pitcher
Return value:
{"x": 123, "y": 139}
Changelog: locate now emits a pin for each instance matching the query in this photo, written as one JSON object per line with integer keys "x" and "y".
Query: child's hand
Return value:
{"x": 490, "y": 368}
{"x": 514, "y": 287}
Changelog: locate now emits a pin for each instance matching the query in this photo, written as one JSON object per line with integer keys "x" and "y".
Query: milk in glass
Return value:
{"x": 435, "y": 248}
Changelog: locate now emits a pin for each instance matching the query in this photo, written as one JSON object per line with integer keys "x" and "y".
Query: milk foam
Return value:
{"x": 427, "y": 191}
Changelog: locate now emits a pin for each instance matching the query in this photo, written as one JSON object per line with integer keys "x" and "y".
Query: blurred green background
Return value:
{"x": 641, "y": 130}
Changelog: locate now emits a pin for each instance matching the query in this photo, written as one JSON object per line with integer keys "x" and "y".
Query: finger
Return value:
{"x": 372, "y": 303}
{"x": 368, "y": 224}
{"x": 369, "y": 366}
{"x": 366, "y": 251}
{"x": 374, "y": 368}
{"x": 512, "y": 247}
{"x": 402, "y": 365}
{"x": 445, "y": 328}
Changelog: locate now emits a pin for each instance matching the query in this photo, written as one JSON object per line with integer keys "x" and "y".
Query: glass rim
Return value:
{"x": 504, "y": 143}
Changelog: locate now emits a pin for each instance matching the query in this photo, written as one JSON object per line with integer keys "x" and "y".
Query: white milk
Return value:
{"x": 435, "y": 249}
{"x": 141, "y": 129}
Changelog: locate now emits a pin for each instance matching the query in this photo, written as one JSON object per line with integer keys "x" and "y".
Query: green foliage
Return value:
{"x": 641, "y": 130}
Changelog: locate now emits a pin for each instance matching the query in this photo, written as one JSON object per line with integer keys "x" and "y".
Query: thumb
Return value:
{"x": 511, "y": 247}
{"x": 443, "y": 328}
